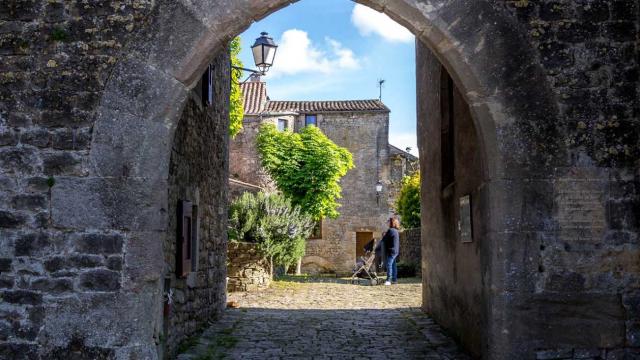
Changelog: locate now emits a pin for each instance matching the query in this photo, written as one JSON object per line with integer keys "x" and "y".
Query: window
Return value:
{"x": 282, "y": 124}
{"x": 310, "y": 120}
{"x": 187, "y": 242}
{"x": 447, "y": 164}
{"x": 207, "y": 86}
{"x": 317, "y": 231}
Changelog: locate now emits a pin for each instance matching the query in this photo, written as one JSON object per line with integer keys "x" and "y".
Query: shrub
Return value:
{"x": 278, "y": 228}
{"x": 408, "y": 203}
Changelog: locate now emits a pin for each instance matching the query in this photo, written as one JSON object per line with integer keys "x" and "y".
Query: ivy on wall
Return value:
{"x": 236, "y": 106}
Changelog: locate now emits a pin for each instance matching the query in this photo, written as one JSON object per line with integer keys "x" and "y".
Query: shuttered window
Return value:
{"x": 207, "y": 86}
{"x": 184, "y": 243}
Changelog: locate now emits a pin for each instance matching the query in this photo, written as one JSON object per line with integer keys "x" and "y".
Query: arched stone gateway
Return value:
{"x": 92, "y": 95}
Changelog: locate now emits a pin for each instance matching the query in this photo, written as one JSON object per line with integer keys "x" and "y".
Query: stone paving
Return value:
{"x": 326, "y": 319}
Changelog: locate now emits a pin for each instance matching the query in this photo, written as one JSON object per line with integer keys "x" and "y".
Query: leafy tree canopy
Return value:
{"x": 278, "y": 228}
{"x": 236, "y": 106}
{"x": 306, "y": 166}
{"x": 408, "y": 203}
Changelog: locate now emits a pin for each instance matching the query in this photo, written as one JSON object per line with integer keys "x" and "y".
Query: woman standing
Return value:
{"x": 391, "y": 243}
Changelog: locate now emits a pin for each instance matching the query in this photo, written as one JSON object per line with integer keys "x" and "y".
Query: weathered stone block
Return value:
{"x": 22, "y": 297}
{"x": 99, "y": 243}
{"x": 109, "y": 203}
{"x": 554, "y": 354}
{"x": 8, "y": 137}
{"x": 100, "y": 280}
{"x": 63, "y": 163}
{"x": 144, "y": 259}
{"x": 11, "y": 220}
{"x": 33, "y": 244}
{"x": 6, "y": 282}
{"x": 29, "y": 202}
{"x": 85, "y": 261}
{"x": 53, "y": 286}
{"x": 37, "y": 184}
{"x": 19, "y": 351}
{"x": 19, "y": 160}
{"x": 36, "y": 137}
{"x": 71, "y": 139}
{"x": 114, "y": 263}
{"x": 5, "y": 265}
{"x": 122, "y": 146}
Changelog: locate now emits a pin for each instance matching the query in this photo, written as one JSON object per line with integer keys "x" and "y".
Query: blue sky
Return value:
{"x": 337, "y": 50}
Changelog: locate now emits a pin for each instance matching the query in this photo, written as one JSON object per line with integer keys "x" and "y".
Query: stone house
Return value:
{"x": 362, "y": 126}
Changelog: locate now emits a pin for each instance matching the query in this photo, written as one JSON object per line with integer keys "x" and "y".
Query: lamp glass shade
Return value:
{"x": 264, "y": 52}
{"x": 379, "y": 187}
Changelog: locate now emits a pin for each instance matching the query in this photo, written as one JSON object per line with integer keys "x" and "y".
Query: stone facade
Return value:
{"x": 365, "y": 134}
{"x": 410, "y": 248}
{"x": 247, "y": 269}
{"x": 91, "y": 94}
{"x": 197, "y": 156}
{"x": 554, "y": 259}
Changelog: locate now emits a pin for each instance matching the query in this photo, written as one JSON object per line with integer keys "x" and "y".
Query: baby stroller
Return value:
{"x": 365, "y": 266}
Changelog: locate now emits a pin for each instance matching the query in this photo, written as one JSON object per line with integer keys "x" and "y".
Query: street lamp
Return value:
{"x": 264, "y": 51}
{"x": 378, "y": 191}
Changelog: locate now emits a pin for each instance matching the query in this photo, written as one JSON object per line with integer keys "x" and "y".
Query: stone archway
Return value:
{"x": 92, "y": 94}
{"x": 149, "y": 85}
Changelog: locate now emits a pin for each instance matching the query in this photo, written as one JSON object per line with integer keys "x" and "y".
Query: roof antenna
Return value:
{"x": 380, "y": 84}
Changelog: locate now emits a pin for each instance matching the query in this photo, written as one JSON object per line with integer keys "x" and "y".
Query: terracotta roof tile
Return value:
{"x": 255, "y": 98}
{"x": 326, "y": 106}
{"x": 254, "y": 95}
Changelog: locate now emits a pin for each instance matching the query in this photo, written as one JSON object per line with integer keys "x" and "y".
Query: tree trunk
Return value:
{"x": 299, "y": 267}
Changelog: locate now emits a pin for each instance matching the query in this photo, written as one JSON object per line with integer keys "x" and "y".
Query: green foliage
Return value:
{"x": 236, "y": 107}
{"x": 306, "y": 167}
{"x": 408, "y": 203}
{"x": 279, "y": 228}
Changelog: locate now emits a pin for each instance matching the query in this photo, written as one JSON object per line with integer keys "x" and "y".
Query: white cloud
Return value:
{"x": 297, "y": 54}
{"x": 404, "y": 140}
{"x": 369, "y": 21}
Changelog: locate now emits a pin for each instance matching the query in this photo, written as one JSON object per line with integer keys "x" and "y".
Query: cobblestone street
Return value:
{"x": 326, "y": 319}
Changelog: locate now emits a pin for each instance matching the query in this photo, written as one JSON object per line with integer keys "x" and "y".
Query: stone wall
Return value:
{"x": 197, "y": 173}
{"x": 454, "y": 288}
{"x": 410, "y": 248}
{"x": 244, "y": 161}
{"x": 248, "y": 270}
{"x": 553, "y": 270}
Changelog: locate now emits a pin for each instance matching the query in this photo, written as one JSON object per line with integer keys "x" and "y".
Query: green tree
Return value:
{"x": 408, "y": 203}
{"x": 236, "y": 106}
{"x": 278, "y": 228}
{"x": 306, "y": 166}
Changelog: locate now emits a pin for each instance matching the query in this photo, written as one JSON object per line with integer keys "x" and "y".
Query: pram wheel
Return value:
{"x": 373, "y": 282}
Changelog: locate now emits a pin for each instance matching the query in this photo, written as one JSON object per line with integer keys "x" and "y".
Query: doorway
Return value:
{"x": 362, "y": 238}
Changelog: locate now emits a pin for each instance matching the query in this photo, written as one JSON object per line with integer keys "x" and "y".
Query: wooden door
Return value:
{"x": 362, "y": 238}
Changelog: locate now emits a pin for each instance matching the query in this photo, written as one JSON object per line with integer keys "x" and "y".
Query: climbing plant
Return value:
{"x": 278, "y": 228}
{"x": 306, "y": 166}
{"x": 408, "y": 203}
{"x": 236, "y": 106}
